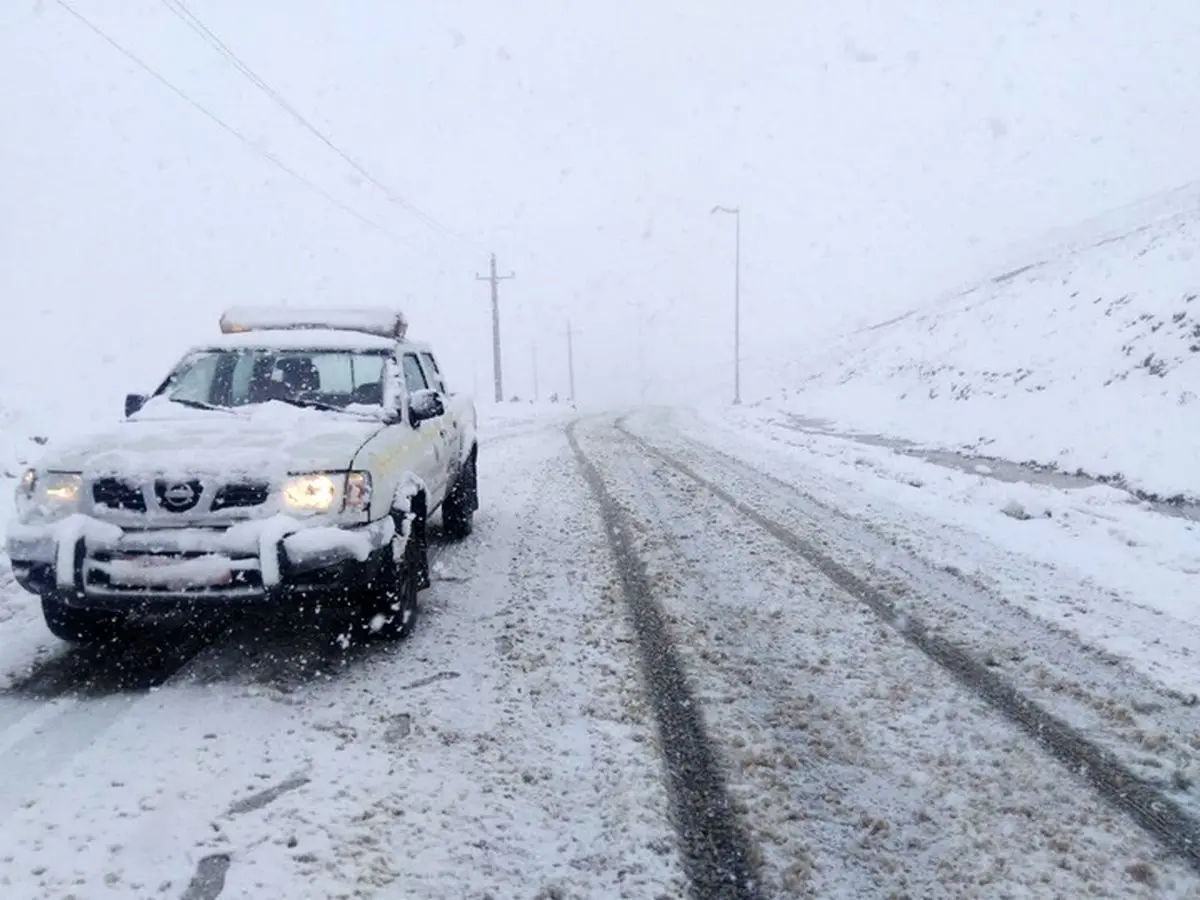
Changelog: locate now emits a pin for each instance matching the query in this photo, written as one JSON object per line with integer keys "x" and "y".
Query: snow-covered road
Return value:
{"x": 504, "y": 750}
{"x": 661, "y": 638}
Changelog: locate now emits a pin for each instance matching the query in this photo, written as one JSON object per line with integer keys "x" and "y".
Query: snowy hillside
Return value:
{"x": 1087, "y": 361}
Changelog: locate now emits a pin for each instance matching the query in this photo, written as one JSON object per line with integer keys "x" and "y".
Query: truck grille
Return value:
{"x": 117, "y": 494}
{"x": 185, "y": 496}
{"x": 241, "y": 495}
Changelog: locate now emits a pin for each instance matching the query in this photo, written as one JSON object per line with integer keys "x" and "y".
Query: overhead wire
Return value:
{"x": 181, "y": 11}
{"x": 225, "y": 126}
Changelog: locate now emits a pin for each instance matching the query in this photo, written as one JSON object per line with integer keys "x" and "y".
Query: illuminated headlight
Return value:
{"x": 47, "y": 496}
{"x": 328, "y": 493}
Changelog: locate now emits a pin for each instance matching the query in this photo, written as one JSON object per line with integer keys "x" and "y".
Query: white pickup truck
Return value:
{"x": 293, "y": 463}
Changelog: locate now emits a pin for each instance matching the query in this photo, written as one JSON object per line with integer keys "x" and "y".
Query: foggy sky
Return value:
{"x": 881, "y": 152}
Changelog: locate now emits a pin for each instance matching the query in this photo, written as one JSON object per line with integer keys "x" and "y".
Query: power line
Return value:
{"x": 180, "y": 10}
{"x": 190, "y": 19}
{"x": 195, "y": 104}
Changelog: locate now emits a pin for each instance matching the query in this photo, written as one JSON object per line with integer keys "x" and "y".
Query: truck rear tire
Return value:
{"x": 80, "y": 626}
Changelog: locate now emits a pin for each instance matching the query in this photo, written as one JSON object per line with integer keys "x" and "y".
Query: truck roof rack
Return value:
{"x": 379, "y": 321}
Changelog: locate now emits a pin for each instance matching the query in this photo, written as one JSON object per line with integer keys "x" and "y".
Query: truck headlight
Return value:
{"x": 44, "y": 497}
{"x": 322, "y": 492}
{"x": 358, "y": 491}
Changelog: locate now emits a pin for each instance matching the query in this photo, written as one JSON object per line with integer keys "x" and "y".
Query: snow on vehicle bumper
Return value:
{"x": 97, "y": 564}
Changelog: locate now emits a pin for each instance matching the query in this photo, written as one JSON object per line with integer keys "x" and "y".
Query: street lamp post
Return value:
{"x": 736, "y": 212}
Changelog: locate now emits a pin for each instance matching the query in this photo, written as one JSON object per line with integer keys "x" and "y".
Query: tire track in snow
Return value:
{"x": 1066, "y": 654}
{"x": 715, "y": 849}
{"x": 1159, "y": 815}
{"x": 138, "y": 662}
{"x": 524, "y": 430}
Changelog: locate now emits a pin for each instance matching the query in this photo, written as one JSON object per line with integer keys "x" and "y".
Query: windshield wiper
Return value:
{"x": 306, "y": 403}
{"x": 309, "y": 403}
{"x": 200, "y": 404}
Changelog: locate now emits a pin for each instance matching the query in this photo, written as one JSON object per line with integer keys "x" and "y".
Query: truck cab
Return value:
{"x": 293, "y": 461}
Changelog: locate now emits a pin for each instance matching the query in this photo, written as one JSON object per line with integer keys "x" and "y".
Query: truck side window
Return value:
{"x": 195, "y": 381}
{"x": 432, "y": 370}
{"x": 414, "y": 378}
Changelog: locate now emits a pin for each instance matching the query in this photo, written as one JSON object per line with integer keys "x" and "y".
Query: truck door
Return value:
{"x": 430, "y": 437}
{"x": 453, "y": 427}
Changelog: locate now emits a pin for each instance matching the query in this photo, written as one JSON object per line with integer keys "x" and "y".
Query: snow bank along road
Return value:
{"x": 657, "y": 669}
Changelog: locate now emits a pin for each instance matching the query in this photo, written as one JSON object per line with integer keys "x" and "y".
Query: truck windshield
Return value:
{"x": 227, "y": 378}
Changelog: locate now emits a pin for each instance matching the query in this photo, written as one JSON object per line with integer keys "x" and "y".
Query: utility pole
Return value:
{"x": 495, "y": 280}
{"x": 736, "y": 212}
{"x": 570, "y": 362}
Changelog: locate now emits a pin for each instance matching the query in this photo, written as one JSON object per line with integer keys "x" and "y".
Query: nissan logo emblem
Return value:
{"x": 179, "y": 496}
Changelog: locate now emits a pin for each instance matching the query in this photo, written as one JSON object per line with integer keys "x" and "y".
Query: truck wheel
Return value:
{"x": 80, "y": 626}
{"x": 394, "y": 593}
{"x": 458, "y": 510}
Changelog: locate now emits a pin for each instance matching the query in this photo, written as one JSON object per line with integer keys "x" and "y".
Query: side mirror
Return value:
{"x": 426, "y": 404}
{"x": 134, "y": 402}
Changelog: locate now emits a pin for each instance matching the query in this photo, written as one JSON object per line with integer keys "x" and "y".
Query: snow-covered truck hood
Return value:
{"x": 214, "y": 442}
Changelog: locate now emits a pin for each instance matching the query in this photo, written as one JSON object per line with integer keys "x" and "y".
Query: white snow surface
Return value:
{"x": 1087, "y": 357}
{"x": 498, "y": 421}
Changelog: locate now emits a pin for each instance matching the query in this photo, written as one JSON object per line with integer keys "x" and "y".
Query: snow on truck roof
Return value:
{"x": 308, "y": 328}
{"x": 307, "y": 339}
{"x": 388, "y": 323}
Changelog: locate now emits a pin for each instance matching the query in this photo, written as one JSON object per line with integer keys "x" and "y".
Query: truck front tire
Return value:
{"x": 395, "y": 604}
